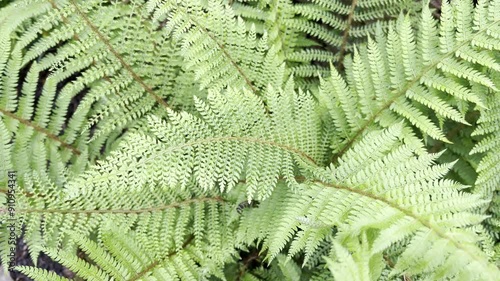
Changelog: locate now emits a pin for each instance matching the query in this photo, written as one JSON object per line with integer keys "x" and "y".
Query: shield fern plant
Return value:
{"x": 251, "y": 140}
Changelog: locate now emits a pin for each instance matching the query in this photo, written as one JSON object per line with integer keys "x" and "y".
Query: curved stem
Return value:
{"x": 345, "y": 37}
{"x": 41, "y": 130}
{"x": 125, "y": 65}
{"x": 403, "y": 91}
{"x": 121, "y": 211}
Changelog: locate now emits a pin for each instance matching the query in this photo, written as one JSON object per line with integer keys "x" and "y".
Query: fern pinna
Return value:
{"x": 363, "y": 136}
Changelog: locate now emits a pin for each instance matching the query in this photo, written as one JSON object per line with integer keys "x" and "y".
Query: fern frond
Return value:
{"x": 124, "y": 258}
{"x": 161, "y": 220}
{"x": 127, "y": 67}
{"x": 38, "y": 134}
{"x": 382, "y": 190}
{"x": 412, "y": 75}
{"x": 488, "y": 125}
{"x": 300, "y": 28}
{"x": 233, "y": 136}
{"x": 487, "y": 148}
{"x": 362, "y": 265}
{"x": 217, "y": 45}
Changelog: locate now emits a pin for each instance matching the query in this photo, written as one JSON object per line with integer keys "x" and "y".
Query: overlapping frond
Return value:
{"x": 123, "y": 257}
{"x": 160, "y": 220}
{"x": 122, "y": 70}
{"x": 220, "y": 49}
{"x": 36, "y": 134}
{"x": 39, "y": 131}
{"x": 312, "y": 33}
{"x": 421, "y": 76}
{"x": 487, "y": 183}
{"x": 380, "y": 194}
{"x": 361, "y": 265}
{"x": 488, "y": 168}
{"x": 41, "y": 134}
{"x": 233, "y": 138}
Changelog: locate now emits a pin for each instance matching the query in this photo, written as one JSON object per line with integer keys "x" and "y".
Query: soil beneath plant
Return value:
{"x": 23, "y": 257}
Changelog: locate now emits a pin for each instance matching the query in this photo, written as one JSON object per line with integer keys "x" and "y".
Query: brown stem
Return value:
{"x": 125, "y": 65}
{"x": 27, "y": 194}
{"x": 345, "y": 37}
{"x": 246, "y": 262}
{"x": 391, "y": 264}
{"x": 159, "y": 261}
{"x": 41, "y": 130}
{"x": 121, "y": 211}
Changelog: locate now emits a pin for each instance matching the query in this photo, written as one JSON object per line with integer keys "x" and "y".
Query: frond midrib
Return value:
{"x": 345, "y": 36}
{"x": 406, "y": 212}
{"x": 41, "y": 130}
{"x": 403, "y": 91}
{"x": 176, "y": 204}
{"x": 115, "y": 53}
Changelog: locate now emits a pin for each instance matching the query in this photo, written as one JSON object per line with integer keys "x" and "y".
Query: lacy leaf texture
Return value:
{"x": 251, "y": 139}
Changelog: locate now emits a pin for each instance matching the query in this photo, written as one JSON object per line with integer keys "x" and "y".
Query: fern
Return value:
{"x": 217, "y": 45}
{"x": 333, "y": 207}
{"x": 487, "y": 181}
{"x": 334, "y": 24}
{"x": 49, "y": 219}
{"x": 188, "y": 146}
{"x": 124, "y": 259}
{"x": 252, "y": 140}
{"x": 406, "y": 84}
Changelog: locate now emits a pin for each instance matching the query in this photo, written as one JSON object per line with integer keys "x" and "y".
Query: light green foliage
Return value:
{"x": 300, "y": 28}
{"x": 253, "y": 140}
{"x": 123, "y": 258}
{"x": 232, "y": 137}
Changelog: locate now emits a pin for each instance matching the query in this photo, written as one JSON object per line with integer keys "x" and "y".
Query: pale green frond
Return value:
{"x": 41, "y": 274}
{"x": 411, "y": 200}
{"x": 123, "y": 258}
{"x": 363, "y": 265}
{"x": 252, "y": 139}
{"x": 161, "y": 220}
{"x": 336, "y": 25}
{"x": 234, "y": 136}
{"x": 217, "y": 45}
{"x": 486, "y": 184}
{"x": 404, "y": 75}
